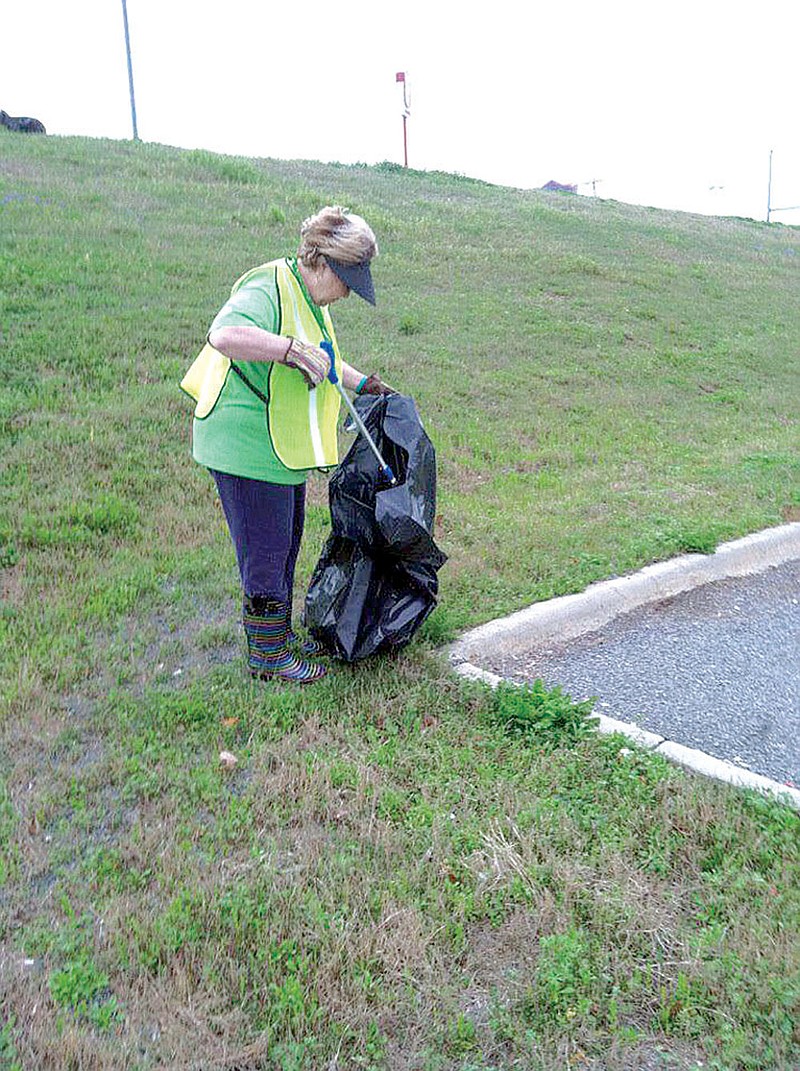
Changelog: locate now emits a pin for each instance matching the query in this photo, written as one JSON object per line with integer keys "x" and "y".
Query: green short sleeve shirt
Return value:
{"x": 234, "y": 438}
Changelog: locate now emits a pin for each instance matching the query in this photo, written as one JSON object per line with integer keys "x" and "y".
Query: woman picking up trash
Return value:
{"x": 267, "y": 415}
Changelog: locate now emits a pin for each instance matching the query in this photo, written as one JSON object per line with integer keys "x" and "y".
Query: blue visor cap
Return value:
{"x": 356, "y": 277}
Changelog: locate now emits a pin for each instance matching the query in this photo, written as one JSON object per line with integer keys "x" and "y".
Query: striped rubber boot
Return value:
{"x": 266, "y": 625}
{"x": 307, "y": 646}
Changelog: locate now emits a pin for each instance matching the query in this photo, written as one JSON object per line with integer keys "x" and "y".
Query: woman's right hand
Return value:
{"x": 312, "y": 362}
{"x": 374, "y": 385}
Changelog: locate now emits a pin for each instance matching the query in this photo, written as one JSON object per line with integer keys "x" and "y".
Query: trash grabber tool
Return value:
{"x": 359, "y": 423}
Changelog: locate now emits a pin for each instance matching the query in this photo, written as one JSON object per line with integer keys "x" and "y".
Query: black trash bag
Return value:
{"x": 375, "y": 582}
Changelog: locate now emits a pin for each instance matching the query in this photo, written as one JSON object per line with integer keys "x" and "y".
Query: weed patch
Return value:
{"x": 536, "y": 714}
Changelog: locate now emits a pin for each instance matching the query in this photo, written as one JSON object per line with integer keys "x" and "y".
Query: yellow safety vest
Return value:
{"x": 301, "y": 422}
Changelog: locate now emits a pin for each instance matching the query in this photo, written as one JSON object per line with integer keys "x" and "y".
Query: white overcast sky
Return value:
{"x": 672, "y": 104}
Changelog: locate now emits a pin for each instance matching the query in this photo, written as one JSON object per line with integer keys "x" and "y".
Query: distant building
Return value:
{"x": 559, "y": 187}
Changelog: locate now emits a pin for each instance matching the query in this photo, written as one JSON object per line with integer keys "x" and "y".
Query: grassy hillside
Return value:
{"x": 616, "y": 383}
{"x": 390, "y": 877}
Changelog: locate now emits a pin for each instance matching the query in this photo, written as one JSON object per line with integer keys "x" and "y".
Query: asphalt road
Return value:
{"x": 716, "y": 668}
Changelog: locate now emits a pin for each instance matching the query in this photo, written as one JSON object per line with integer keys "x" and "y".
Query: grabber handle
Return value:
{"x": 328, "y": 348}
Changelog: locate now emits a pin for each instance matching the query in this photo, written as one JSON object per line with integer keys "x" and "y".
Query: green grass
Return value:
{"x": 402, "y": 871}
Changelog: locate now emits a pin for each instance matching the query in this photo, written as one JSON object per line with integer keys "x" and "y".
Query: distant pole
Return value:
{"x": 401, "y": 77}
{"x": 130, "y": 68}
{"x": 782, "y": 208}
{"x": 593, "y": 183}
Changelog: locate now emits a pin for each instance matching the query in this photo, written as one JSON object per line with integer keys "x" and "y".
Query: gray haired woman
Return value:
{"x": 275, "y": 419}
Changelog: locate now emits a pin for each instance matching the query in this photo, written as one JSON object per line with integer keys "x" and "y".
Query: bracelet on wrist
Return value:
{"x": 362, "y": 384}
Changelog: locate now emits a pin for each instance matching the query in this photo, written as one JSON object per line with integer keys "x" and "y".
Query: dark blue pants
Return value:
{"x": 266, "y": 524}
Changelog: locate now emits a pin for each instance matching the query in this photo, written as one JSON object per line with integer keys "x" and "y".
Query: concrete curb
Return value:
{"x": 574, "y": 615}
{"x": 697, "y": 761}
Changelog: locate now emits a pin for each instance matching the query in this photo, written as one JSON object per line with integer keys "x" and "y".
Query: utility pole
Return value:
{"x": 401, "y": 77}
{"x": 770, "y": 209}
{"x": 593, "y": 183}
{"x": 130, "y": 69}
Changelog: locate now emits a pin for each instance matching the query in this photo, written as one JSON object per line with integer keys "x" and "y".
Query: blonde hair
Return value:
{"x": 337, "y": 233}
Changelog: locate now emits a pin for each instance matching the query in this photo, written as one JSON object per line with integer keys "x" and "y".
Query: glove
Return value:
{"x": 312, "y": 362}
{"x": 374, "y": 385}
